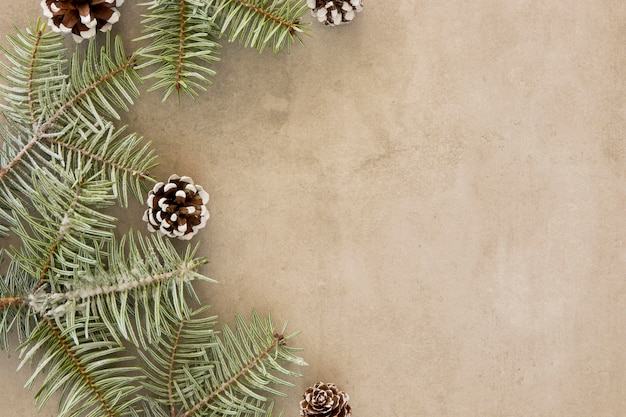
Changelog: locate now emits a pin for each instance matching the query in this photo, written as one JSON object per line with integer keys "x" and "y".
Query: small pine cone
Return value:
{"x": 325, "y": 400}
{"x": 334, "y": 12}
{"x": 177, "y": 208}
{"x": 81, "y": 18}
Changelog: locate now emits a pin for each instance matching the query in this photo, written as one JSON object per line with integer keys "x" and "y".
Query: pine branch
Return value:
{"x": 140, "y": 288}
{"x": 183, "y": 46}
{"x": 235, "y": 378}
{"x": 67, "y": 229}
{"x": 244, "y": 360}
{"x": 193, "y": 370}
{"x": 95, "y": 86}
{"x": 89, "y": 374}
{"x": 125, "y": 159}
{"x": 260, "y": 23}
{"x": 170, "y": 374}
{"x": 37, "y": 59}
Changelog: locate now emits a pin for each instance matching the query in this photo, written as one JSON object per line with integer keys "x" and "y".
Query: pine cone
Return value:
{"x": 177, "y": 208}
{"x": 81, "y": 18}
{"x": 335, "y": 12}
{"x": 324, "y": 400}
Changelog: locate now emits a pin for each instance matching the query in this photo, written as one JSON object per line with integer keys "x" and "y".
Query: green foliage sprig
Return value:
{"x": 184, "y": 36}
{"x": 105, "y": 317}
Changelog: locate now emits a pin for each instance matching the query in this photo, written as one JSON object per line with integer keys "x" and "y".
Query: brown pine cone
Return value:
{"x": 81, "y": 18}
{"x": 334, "y": 12}
{"x": 177, "y": 208}
{"x": 325, "y": 400}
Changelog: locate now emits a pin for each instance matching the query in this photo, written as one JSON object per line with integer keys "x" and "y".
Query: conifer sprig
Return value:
{"x": 184, "y": 36}
{"x": 143, "y": 283}
{"x": 78, "y": 106}
{"x": 93, "y": 376}
{"x": 260, "y": 23}
{"x": 64, "y": 227}
{"x": 35, "y": 64}
{"x": 183, "y": 46}
{"x": 198, "y": 372}
{"x": 124, "y": 159}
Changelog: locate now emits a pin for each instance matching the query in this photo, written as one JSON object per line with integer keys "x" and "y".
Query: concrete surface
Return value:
{"x": 435, "y": 195}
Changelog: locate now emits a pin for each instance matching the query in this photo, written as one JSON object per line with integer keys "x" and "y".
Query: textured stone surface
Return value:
{"x": 434, "y": 194}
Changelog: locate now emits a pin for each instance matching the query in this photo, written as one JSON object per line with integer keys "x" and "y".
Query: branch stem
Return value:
{"x": 83, "y": 293}
{"x": 10, "y": 302}
{"x": 96, "y": 157}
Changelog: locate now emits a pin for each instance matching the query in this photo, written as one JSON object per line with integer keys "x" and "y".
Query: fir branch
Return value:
{"x": 31, "y": 75}
{"x": 49, "y": 302}
{"x": 82, "y": 96}
{"x": 15, "y": 312}
{"x": 66, "y": 229}
{"x": 261, "y": 23}
{"x": 37, "y": 57}
{"x": 89, "y": 373}
{"x": 7, "y": 302}
{"x": 64, "y": 226}
{"x": 7, "y": 168}
{"x": 125, "y": 158}
{"x": 143, "y": 284}
{"x": 193, "y": 369}
{"x": 79, "y": 368}
{"x": 277, "y": 341}
{"x": 183, "y": 45}
{"x": 170, "y": 374}
{"x": 267, "y": 15}
{"x": 178, "y": 359}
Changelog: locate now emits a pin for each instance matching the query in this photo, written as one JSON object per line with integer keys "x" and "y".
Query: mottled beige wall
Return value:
{"x": 435, "y": 195}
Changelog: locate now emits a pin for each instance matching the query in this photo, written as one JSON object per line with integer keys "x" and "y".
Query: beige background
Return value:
{"x": 435, "y": 195}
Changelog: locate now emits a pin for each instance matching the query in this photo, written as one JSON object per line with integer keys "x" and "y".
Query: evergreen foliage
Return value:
{"x": 184, "y": 36}
{"x": 260, "y": 23}
{"x": 183, "y": 45}
{"x": 105, "y": 316}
